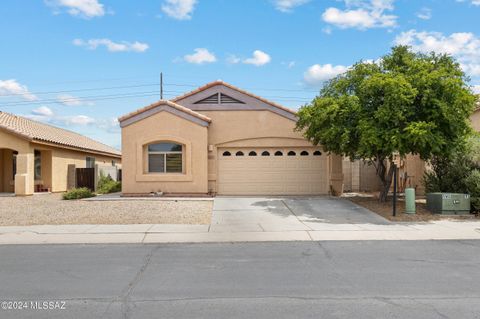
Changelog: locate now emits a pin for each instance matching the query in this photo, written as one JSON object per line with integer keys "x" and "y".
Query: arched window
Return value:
{"x": 165, "y": 157}
{"x": 265, "y": 153}
{"x": 252, "y": 153}
{"x": 291, "y": 153}
{"x": 317, "y": 153}
{"x": 278, "y": 153}
{"x": 304, "y": 153}
{"x": 227, "y": 153}
{"x": 239, "y": 153}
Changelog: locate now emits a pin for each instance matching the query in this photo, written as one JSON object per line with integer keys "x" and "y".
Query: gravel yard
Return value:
{"x": 50, "y": 209}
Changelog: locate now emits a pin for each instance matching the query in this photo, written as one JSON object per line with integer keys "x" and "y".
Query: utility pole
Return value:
{"x": 161, "y": 85}
{"x": 394, "y": 190}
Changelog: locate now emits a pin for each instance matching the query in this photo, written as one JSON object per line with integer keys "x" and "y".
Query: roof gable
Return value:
{"x": 203, "y": 99}
{"x": 166, "y": 106}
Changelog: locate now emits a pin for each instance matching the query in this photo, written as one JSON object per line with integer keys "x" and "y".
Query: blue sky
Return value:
{"x": 79, "y": 64}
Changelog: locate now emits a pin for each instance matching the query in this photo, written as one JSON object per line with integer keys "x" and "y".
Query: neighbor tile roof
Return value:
{"x": 220, "y": 82}
{"x": 169, "y": 103}
{"x": 36, "y": 131}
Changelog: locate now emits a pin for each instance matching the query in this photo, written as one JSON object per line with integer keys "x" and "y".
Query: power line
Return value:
{"x": 85, "y": 98}
{"x": 128, "y": 95}
{"x": 300, "y": 99}
{"x": 83, "y": 90}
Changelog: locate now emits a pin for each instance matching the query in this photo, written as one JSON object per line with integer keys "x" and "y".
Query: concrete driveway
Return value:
{"x": 269, "y": 214}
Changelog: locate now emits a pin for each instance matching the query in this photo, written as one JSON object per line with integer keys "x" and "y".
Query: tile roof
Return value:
{"x": 169, "y": 103}
{"x": 220, "y": 82}
{"x": 36, "y": 131}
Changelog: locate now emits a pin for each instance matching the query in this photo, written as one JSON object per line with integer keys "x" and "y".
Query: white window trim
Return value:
{"x": 164, "y": 160}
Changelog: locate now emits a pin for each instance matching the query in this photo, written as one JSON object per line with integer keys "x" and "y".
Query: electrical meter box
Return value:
{"x": 448, "y": 203}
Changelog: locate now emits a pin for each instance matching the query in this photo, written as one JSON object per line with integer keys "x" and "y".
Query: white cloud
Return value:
{"x": 362, "y": 14}
{"x": 111, "y": 46}
{"x": 70, "y": 100}
{"x": 43, "y": 111}
{"x": 464, "y": 46}
{"x": 200, "y": 56}
{"x": 233, "y": 59}
{"x": 179, "y": 9}
{"x": 474, "y": 2}
{"x": 78, "y": 120}
{"x": 476, "y": 89}
{"x": 288, "y": 5}
{"x": 110, "y": 125}
{"x": 425, "y": 14}
{"x": 259, "y": 58}
{"x": 289, "y": 64}
{"x": 318, "y": 73}
{"x": 83, "y": 8}
{"x": 12, "y": 87}
{"x": 46, "y": 115}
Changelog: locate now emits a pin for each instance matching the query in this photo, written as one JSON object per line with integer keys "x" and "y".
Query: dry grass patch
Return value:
{"x": 50, "y": 209}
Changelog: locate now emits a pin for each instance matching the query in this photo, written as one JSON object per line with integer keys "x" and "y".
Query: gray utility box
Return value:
{"x": 448, "y": 203}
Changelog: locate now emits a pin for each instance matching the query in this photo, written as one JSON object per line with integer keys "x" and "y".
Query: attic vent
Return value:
{"x": 213, "y": 99}
{"x": 225, "y": 99}
{"x": 219, "y": 98}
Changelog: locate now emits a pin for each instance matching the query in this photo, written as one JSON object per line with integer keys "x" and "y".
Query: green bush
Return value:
{"x": 457, "y": 173}
{"x": 77, "y": 193}
{"x": 107, "y": 185}
{"x": 473, "y": 185}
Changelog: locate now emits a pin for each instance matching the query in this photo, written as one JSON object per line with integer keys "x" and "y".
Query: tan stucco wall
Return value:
{"x": 60, "y": 160}
{"x": 259, "y": 128}
{"x": 54, "y": 161}
{"x": 24, "y": 183}
{"x": 6, "y": 171}
{"x": 164, "y": 126}
{"x": 247, "y": 129}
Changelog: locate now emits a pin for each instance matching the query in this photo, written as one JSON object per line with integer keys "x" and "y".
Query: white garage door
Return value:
{"x": 272, "y": 171}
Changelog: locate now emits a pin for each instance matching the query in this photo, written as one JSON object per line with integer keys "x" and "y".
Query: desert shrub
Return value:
{"x": 107, "y": 185}
{"x": 458, "y": 172}
{"x": 77, "y": 193}
{"x": 473, "y": 185}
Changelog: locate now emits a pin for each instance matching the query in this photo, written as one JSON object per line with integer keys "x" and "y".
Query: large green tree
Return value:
{"x": 404, "y": 103}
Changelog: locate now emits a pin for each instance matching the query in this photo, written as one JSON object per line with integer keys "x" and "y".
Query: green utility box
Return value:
{"x": 448, "y": 203}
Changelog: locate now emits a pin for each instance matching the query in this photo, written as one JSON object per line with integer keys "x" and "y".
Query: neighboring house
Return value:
{"x": 360, "y": 176}
{"x": 410, "y": 168}
{"x": 36, "y": 156}
{"x": 219, "y": 139}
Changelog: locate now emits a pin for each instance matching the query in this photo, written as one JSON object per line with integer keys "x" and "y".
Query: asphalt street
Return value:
{"x": 347, "y": 279}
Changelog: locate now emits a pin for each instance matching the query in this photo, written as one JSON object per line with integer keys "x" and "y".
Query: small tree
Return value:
{"x": 405, "y": 103}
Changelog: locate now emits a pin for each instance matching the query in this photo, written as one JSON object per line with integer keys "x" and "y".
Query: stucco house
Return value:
{"x": 36, "y": 157}
{"x": 219, "y": 139}
{"x": 411, "y": 169}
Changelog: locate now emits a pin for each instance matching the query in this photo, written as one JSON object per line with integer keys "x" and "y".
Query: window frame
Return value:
{"x": 37, "y": 165}
{"x": 14, "y": 164}
{"x": 90, "y": 162}
{"x": 165, "y": 154}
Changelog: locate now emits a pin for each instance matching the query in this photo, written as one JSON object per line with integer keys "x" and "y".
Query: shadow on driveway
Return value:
{"x": 318, "y": 209}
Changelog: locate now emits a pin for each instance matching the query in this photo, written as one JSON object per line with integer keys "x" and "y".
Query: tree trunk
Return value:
{"x": 385, "y": 178}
